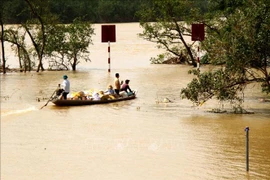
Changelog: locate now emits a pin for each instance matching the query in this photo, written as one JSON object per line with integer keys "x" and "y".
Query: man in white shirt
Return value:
{"x": 65, "y": 86}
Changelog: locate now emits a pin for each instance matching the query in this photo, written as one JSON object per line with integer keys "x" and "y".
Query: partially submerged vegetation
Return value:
{"x": 237, "y": 40}
{"x": 62, "y": 46}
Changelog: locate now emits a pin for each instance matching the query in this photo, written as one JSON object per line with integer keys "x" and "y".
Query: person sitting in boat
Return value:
{"x": 107, "y": 96}
{"x": 95, "y": 96}
{"x": 102, "y": 95}
{"x": 59, "y": 90}
{"x": 110, "y": 90}
{"x": 125, "y": 87}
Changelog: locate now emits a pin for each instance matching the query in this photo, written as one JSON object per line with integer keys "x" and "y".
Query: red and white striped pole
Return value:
{"x": 109, "y": 57}
{"x": 198, "y": 56}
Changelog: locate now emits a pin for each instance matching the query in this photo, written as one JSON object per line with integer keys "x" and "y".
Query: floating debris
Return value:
{"x": 234, "y": 111}
{"x": 217, "y": 111}
{"x": 165, "y": 100}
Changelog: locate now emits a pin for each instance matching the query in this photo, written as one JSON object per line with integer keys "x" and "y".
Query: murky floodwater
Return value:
{"x": 139, "y": 139}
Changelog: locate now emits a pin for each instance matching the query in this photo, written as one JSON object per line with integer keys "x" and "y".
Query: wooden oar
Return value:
{"x": 48, "y": 100}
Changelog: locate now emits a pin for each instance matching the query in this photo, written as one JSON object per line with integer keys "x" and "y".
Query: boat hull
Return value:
{"x": 62, "y": 102}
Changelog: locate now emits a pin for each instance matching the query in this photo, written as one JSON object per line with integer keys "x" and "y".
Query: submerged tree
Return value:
{"x": 58, "y": 45}
{"x": 3, "y": 13}
{"x": 69, "y": 43}
{"x": 79, "y": 38}
{"x": 17, "y": 40}
{"x": 36, "y": 27}
{"x": 2, "y": 46}
{"x": 170, "y": 27}
{"x": 238, "y": 42}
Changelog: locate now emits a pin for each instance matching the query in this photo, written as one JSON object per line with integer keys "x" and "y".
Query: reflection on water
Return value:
{"x": 144, "y": 138}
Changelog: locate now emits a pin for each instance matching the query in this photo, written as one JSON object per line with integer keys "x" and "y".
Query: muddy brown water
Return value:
{"x": 143, "y": 138}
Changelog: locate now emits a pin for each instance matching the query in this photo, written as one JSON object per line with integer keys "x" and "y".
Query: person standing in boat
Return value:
{"x": 117, "y": 83}
{"x": 65, "y": 86}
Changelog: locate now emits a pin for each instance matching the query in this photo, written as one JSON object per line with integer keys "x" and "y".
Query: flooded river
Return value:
{"x": 140, "y": 139}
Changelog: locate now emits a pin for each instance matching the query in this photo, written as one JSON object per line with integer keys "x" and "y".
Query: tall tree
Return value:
{"x": 2, "y": 46}
{"x": 39, "y": 41}
{"x": 239, "y": 42}
{"x": 79, "y": 34}
{"x": 168, "y": 29}
{"x": 2, "y": 17}
{"x": 16, "y": 36}
{"x": 69, "y": 44}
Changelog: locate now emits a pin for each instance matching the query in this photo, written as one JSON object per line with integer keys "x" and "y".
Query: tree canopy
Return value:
{"x": 163, "y": 24}
{"x": 238, "y": 41}
{"x": 62, "y": 45}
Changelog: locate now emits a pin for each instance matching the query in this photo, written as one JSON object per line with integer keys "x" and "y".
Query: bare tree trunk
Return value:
{"x": 39, "y": 49}
{"x": 74, "y": 63}
{"x": 3, "y": 49}
{"x": 28, "y": 62}
{"x": 185, "y": 44}
{"x": 20, "y": 57}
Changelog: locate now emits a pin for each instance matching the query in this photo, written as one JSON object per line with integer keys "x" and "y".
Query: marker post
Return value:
{"x": 108, "y": 35}
{"x": 247, "y": 148}
{"x": 198, "y": 56}
{"x": 109, "y": 57}
{"x": 197, "y": 34}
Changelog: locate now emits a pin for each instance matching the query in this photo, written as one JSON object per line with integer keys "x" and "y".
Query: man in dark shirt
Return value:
{"x": 125, "y": 86}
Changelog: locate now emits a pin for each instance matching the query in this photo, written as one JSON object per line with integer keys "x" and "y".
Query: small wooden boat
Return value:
{"x": 62, "y": 102}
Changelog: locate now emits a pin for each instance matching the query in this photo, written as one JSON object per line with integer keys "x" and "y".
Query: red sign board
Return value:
{"x": 197, "y": 32}
{"x": 108, "y": 33}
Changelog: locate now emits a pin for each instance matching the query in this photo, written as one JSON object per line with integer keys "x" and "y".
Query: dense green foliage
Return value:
{"x": 237, "y": 40}
{"x": 68, "y": 44}
{"x": 59, "y": 45}
{"x": 163, "y": 24}
{"x": 95, "y": 11}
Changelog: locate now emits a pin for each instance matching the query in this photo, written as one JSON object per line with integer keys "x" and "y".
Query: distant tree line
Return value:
{"x": 94, "y": 11}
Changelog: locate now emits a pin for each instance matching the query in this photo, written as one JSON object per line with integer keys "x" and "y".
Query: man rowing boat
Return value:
{"x": 65, "y": 86}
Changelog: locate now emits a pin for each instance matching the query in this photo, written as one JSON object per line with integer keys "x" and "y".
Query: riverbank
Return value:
{"x": 10, "y": 70}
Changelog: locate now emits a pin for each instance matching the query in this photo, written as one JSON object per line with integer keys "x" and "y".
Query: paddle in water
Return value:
{"x": 51, "y": 97}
